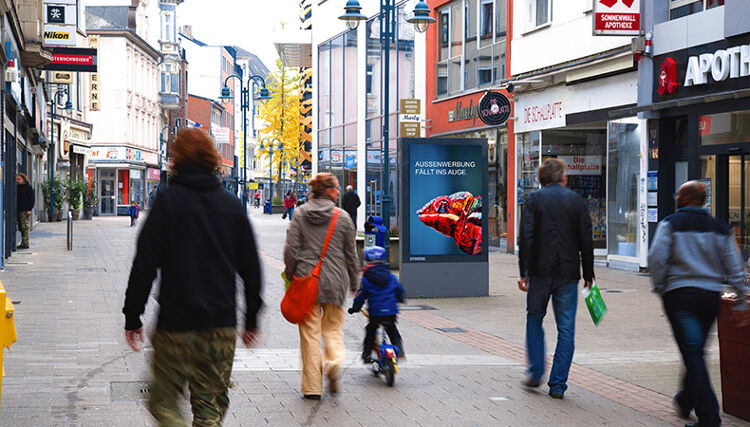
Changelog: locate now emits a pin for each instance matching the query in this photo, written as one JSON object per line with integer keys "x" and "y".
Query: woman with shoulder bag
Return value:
{"x": 339, "y": 269}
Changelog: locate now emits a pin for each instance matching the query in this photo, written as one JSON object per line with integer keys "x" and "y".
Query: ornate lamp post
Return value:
{"x": 269, "y": 144}
{"x": 421, "y": 20}
{"x": 226, "y": 97}
{"x": 52, "y": 153}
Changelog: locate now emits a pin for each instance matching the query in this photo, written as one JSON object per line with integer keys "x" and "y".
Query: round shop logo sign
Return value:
{"x": 494, "y": 108}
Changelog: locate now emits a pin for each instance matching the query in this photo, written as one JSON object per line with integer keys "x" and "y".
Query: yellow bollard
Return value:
{"x": 7, "y": 330}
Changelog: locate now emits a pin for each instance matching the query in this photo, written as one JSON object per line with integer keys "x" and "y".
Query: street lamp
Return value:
{"x": 226, "y": 97}
{"x": 269, "y": 145}
{"x": 52, "y": 154}
{"x": 421, "y": 21}
{"x": 162, "y": 172}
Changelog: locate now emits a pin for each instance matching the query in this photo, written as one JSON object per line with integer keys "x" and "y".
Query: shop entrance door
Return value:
{"x": 107, "y": 194}
{"x": 727, "y": 182}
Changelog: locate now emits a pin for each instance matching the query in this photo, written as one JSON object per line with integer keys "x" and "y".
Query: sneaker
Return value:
{"x": 531, "y": 383}
{"x": 311, "y": 397}
{"x": 22, "y": 247}
{"x": 555, "y": 395}
{"x": 333, "y": 386}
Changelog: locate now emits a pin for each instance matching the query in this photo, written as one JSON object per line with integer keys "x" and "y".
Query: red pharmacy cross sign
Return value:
{"x": 617, "y": 17}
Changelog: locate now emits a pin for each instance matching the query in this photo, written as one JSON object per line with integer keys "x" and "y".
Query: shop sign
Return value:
{"x": 583, "y": 165}
{"x": 374, "y": 156}
{"x": 62, "y": 77}
{"x": 324, "y": 155}
{"x": 78, "y": 149}
{"x": 60, "y": 14}
{"x": 617, "y": 17}
{"x": 116, "y": 153}
{"x": 337, "y": 156}
{"x": 135, "y": 174}
{"x": 350, "y": 161}
{"x": 542, "y": 110}
{"x": 60, "y": 35}
{"x": 464, "y": 113}
{"x": 722, "y": 66}
{"x": 73, "y": 59}
{"x": 410, "y": 118}
{"x": 153, "y": 174}
{"x": 494, "y": 108}
{"x": 221, "y": 135}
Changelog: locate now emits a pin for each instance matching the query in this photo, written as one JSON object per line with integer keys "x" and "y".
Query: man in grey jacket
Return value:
{"x": 692, "y": 256}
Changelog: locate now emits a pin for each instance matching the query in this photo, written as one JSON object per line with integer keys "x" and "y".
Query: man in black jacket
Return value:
{"x": 554, "y": 240}
{"x": 350, "y": 202}
{"x": 200, "y": 238}
{"x": 24, "y": 205}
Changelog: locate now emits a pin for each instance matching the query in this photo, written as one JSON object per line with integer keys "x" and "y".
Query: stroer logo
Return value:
{"x": 56, "y": 35}
{"x": 668, "y": 77}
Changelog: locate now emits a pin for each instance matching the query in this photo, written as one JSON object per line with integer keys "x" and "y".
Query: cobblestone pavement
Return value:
{"x": 71, "y": 365}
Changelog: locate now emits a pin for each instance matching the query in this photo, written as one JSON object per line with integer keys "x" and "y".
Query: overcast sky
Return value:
{"x": 249, "y": 24}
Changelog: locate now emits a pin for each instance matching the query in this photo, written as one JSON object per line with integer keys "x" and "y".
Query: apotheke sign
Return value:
{"x": 724, "y": 63}
{"x": 617, "y": 17}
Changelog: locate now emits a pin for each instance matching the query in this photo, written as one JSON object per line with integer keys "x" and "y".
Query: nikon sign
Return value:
{"x": 59, "y": 35}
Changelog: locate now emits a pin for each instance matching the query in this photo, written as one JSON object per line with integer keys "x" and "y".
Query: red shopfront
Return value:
{"x": 471, "y": 39}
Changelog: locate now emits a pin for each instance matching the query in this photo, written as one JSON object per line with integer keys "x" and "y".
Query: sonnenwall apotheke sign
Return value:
{"x": 721, "y": 66}
{"x": 617, "y": 17}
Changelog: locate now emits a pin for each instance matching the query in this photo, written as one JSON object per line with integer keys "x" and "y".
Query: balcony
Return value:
{"x": 31, "y": 19}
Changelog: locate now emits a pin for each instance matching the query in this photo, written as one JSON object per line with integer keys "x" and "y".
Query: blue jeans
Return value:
{"x": 692, "y": 312}
{"x": 564, "y": 295}
{"x": 289, "y": 212}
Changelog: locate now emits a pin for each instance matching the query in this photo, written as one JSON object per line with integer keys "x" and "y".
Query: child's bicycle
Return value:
{"x": 387, "y": 361}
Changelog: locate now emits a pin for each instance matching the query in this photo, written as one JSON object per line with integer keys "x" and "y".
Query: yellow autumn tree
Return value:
{"x": 282, "y": 115}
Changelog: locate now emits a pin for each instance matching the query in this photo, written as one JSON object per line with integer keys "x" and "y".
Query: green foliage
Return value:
{"x": 58, "y": 190}
{"x": 90, "y": 198}
{"x": 75, "y": 189}
{"x": 277, "y": 201}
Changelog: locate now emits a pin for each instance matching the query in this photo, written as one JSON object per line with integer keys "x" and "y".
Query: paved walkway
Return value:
{"x": 71, "y": 365}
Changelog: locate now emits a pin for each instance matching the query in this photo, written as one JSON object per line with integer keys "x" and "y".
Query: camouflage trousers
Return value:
{"x": 201, "y": 359}
{"x": 24, "y": 225}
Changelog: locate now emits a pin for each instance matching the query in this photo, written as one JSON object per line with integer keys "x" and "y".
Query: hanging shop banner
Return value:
{"x": 221, "y": 135}
{"x": 60, "y": 14}
{"x": 60, "y": 35}
{"x": 617, "y": 17}
{"x": 443, "y": 218}
{"x": 410, "y": 125}
{"x": 494, "y": 108}
{"x": 583, "y": 165}
{"x": 73, "y": 59}
{"x": 350, "y": 160}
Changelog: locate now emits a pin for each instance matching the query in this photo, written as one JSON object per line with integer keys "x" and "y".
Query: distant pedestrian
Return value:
{"x": 691, "y": 258}
{"x": 133, "y": 211}
{"x": 554, "y": 240}
{"x": 199, "y": 237}
{"x": 289, "y": 202}
{"x": 304, "y": 244}
{"x": 152, "y": 196}
{"x": 257, "y": 199}
{"x": 24, "y": 204}
{"x": 350, "y": 202}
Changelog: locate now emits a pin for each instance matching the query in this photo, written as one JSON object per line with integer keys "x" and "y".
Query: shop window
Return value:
{"x": 539, "y": 12}
{"x": 624, "y": 144}
{"x": 472, "y": 49}
{"x": 681, "y": 8}
{"x": 724, "y": 128}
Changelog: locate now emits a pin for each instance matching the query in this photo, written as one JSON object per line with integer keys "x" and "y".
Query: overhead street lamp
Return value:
{"x": 269, "y": 145}
{"x": 226, "y": 97}
{"x": 52, "y": 153}
{"x": 162, "y": 153}
{"x": 421, "y": 19}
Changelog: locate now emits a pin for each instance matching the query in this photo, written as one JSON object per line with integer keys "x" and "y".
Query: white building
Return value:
{"x": 572, "y": 99}
{"x": 125, "y": 141}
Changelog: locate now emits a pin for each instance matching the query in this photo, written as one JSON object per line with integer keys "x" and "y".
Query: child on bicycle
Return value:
{"x": 383, "y": 292}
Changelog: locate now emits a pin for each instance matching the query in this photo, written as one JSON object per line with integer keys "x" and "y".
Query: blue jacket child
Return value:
{"x": 133, "y": 211}
{"x": 383, "y": 292}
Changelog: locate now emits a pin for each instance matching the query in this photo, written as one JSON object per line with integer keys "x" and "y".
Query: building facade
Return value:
{"x": 694, "y": 93}
{"x": 471, "y": 39}
{"x": 124, "y": 159}
{"x": 572, "y": 96}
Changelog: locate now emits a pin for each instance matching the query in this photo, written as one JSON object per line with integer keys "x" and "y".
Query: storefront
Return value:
{"x": 701, "y": 96}
{"x": 604, "y": 151}
{"x": 120, "y": 175}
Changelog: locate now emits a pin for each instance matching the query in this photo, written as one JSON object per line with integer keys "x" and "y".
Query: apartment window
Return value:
{"x": 472, "y": 56}
{"x": 369, "y": 78}
{"x": 167, "y": 27}
{"x": 543, "y": 12}
{"x": 680, "y": 8}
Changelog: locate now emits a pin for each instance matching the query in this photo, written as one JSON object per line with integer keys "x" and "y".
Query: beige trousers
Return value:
{"x": 327, "y": 321}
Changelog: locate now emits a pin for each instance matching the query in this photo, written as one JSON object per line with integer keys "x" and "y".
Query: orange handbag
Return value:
{"x": 299, "y": 299}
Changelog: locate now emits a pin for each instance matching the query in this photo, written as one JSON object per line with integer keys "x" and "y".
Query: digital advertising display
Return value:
{"x": 444, "y": 188}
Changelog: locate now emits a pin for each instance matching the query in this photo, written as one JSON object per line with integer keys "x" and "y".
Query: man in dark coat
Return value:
{"x": 350, "y": 202}
{"x": 24, "y": 205}
{"x": 200, "y": 238}
{"x": 554, "y": 240}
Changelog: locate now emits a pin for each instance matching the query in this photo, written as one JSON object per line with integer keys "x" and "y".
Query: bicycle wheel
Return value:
{"x": 390, "y": 372}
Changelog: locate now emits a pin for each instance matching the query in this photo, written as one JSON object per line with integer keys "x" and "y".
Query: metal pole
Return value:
{"x": 51, "y": 160}
{"x": 70, "y": 231}
{"x": 245, "y": 94}
{"x": 270, "y": 178}
{"x": 385, "y": 39}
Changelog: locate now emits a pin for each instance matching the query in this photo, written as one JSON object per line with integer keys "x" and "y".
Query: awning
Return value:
{"x": 295, "y": 48}
{"x": 682, "y": 102}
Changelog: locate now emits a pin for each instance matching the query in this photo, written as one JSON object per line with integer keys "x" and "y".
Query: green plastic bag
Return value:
{"x": 286, "y": 281}
{"x": 595, "y": 303}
